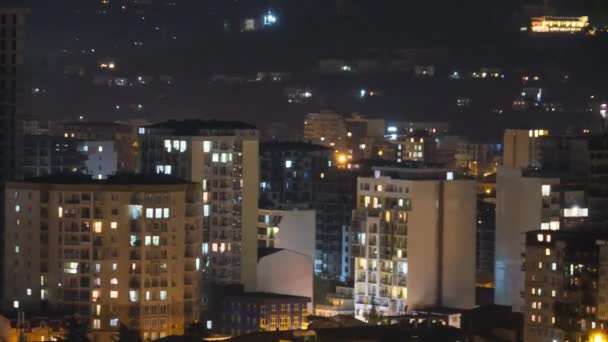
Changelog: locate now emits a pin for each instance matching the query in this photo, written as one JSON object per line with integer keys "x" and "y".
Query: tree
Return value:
{"x": 127, "y": 335}
{"x": 374, "y": 317}
{"x": 77, "y": 329}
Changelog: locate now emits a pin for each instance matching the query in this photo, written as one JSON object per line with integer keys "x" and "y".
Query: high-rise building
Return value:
{"x": 222, "y": 156}
{"x": 304, "y": 176}
{"x": 325, "y": 128}
{"x": 547, "y": 188}
{"x": 12, "y": 90}
{"x": 566, "y": 284}
{"x": 46, "y": 154}
{"x": 122, "y": 250}
{"x": 413, "y": 241}
{"x": 287, "y": 229}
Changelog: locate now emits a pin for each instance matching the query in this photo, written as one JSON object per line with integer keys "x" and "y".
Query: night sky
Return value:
{"x": 190, "y": 41}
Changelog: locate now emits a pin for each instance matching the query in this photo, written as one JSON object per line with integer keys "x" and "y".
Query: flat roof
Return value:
{"x": 123, "y": 179}
{"x": 192, "y": 125}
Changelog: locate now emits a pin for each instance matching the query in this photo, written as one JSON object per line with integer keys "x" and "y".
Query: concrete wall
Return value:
{"x": 286, "y": 272}
{"x": 297, "y": 232}
{"x": 459, "y": 243}
{"x": 251, "y": 188}
{"x": 518, "y": 209}
{"x": 422, "y": 248}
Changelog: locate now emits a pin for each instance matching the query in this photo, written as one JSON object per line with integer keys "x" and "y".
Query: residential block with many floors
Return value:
{"x": 123, "y": 250}
{"x": 413, "y": 241}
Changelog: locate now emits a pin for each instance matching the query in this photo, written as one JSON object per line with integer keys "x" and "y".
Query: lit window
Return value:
{"x": 113, "y": 225}
{"x": 148, "y": 240}
{"x": 206, "y": 146}
{"x": 60, "y": 212}
{"x": 95, "y": 295}
{"x": 43, "y": 294}
{"x": 96, "y": 324}
{"x": 548, "y": 238}
{"x": 449, "y": 176}
{"x": 29, "y": 292}
{"x": 17, "y": 249}
{"x": 133, "y": 297}
{"x": 206, "y": 210}
{"x": 113, "y": 294}
{"x": 114, "y": 266}
{"x": 546, "y": 190}
{"x": 182, "y": 146}
{"x": 158, "y": 212}
{"x": 163, "y": 295}
{"x": 114, "y": 322}
{"x": 576, "y": 212}
{"x": 133, "y": 240}
{"x": 533, "y": 318}
{"x": 168, "y": 145}
{"x": 100, "y": 148}
{"x": 214, "y": 247}
{"x": 149, "y": 213}
{"x": 17, "y": 208}
{"x": 168, "y": 169}
{"x": 553, "y": 266}
{"x": 205, "y": 248}
{"x": 540, "y": 265}
{"x": 544, "y": 226}
{"x": 142, "y": 130}
{"x": 215, "y": 157}
{"x": 547, "y": 251}
{"x": 156, "y": 240}
{"x": 554, "y": 225}
{"x": 97, "y": 227}
{"x": 540, "y": 237}
{"x": 166, "y": 213}
{"x": 553, "y": 293}
{"x": 176, "y": 144}
{"x": 16, "y": 304}
{"x": 288, "y": 164}
{"x": 114, "y": 281}
{"x": 147, "y": 295}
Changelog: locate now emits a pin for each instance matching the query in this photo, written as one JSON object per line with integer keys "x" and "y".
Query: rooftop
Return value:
{"x": 123, "y": 179}
{"x": 266, "y": 251}
{"x": 267, "y": 295}
{"x": 192, "y": 126}
{"x": 292, "y": 145}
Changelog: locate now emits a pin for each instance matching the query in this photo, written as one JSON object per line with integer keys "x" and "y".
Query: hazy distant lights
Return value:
{"x": 603, "y": 110}
{"x": 270, "y": 19}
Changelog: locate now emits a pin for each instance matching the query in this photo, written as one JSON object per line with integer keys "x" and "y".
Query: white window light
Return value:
{"x": 576, "y": 212}
{"x": 176, "y": 145}
{"x": 114, "y": 281}
{"x": 544, "y": 226}
{"x": 546, "y": 190}
{"x": 206, "y": 210}
{"x": 29, "y": 292}
{"x": 554, "y": 225}
{"x": 114, "y": 322}
{"x": 540, "y": 237}
{"x": 142, "y": 130}
{"x": 149, "y": 213}
{"x": 288, "y": 164}
{"x": 113, "y": 225}
{"x": 96, "y": 324}
{"x": 100, "y": 148}
{"x": 16, "y": 304}
{"x": 17, "y": 208}
{"x": 166, "y": 213}
{"x": 168, "y": 169}
{"x": 114, "y": 294}
{"x": 158, "y": 212}
{"x": 168, "y": 145}
{"x": 449, "y": 176}
{"x": 215, "y": 157}
{"x": 183, "y": 146}
{"x": 148, "y": 240}
{"x": 206, "y": 146}
{"x": 163, "y": 295}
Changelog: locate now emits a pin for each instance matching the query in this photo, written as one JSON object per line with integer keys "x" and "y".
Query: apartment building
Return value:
{"x": 413, "y": 241}
{"x": 223, "y": 156}
{"x": 121, "y": 250}
{"x": 325, "y": 128}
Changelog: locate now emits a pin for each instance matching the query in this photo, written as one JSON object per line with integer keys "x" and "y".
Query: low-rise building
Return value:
{"x": 341, "y": 302}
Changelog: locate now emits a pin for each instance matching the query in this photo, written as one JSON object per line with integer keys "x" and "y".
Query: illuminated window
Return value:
{"x": 206, "y": 210}
{"x": 60, "y": 212}
{"x": 133, "y": 297}
{"x": 96, "y": 324}
{"x": 450, "y": 176}
{"x": 540, "y": 237}
{"x": 114, "y": 281}
{"x": 163, "y": 295}
{"x": 114, "y": 322}
{"x": 576, "y": 212}
{"x": 540, "y": 265}
{"x": 547, "y": 251}
{"x": 168, "y": 145}
{"x": 546, "y": 190}
{"x": 166, "y": 213}
{"x": 17, "y": 249}
{"x": 553, "y": 266}
{"x": 100, "y": 148}
{"x": 215, "y": 157}
{"x": 95, "y": 295}
{"x": 113, "y": 294}
{"x": 158, "y": 213}
{"x": 553, "y": 293}
{"x": 29, "y": 292}
{"x": 149, "y": 213}
{"x": 554, "y": 225}
{"x": 113, "y": 225}
{"x": 97, "y": 227}
{"x": 156, "y": 240}
{"x": 214, "y": 247}
{"x": 182, "y": 146}
{"x": 533, "y": 318}
{"x": 114, "y": 266}
{"x": 288, "y": 164}
{"x": 206, "y": 146}
{"x": 148, "y": 240}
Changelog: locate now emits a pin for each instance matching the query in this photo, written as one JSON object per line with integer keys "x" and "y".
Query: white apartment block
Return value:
{"x": 413, "y": 241}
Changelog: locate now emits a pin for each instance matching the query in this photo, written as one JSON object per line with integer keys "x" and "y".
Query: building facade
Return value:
{"x": 122, "y": 250}
{"x": 258, "y": 311}
{"x": 287, "y": 229}
{"x": 413, "y": 241}
{"x": 223, "y": 157}
{"x": 47, "y": 154}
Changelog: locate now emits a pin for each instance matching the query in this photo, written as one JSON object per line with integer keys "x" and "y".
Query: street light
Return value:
{"x": 598, "y": 337}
